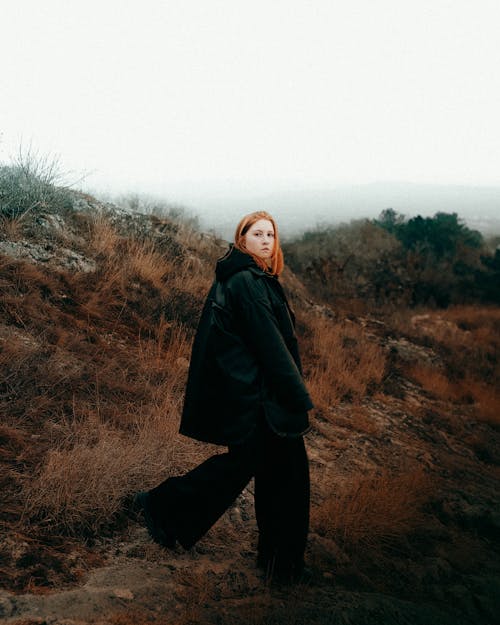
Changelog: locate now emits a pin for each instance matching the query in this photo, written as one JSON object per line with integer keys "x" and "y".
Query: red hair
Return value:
{"x": 276, "y": 263}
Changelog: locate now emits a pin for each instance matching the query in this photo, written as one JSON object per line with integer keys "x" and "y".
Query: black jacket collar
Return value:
{"x": 233, "y": 261}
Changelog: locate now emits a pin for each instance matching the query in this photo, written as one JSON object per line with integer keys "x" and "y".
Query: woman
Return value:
{"x": 245, "y": 390}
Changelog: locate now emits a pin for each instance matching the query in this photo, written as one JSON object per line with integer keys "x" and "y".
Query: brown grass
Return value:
{"x": 95, "y": 364}
{"x": 11, "y": 228}
{"x": 82, "y": 487}
{"x": 462, "y": 324}
{"x": 358, "y": 418}
{"x": 467, "y": 340}
{"x": 342, "y": 362}
{"x": 485, "y": 398}
{"x": 434, "y": 382}
{"x": 486, "y": 401}
{"x": 121, "y": 437}
{"x": 373, "y": 510}
{"x": 475, "y": 318}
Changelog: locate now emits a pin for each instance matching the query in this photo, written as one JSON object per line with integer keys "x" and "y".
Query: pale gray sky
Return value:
{"x": 180, "y": 97}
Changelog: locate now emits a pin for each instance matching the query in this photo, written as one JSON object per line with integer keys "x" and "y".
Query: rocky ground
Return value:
{"x": 446, "y": 572}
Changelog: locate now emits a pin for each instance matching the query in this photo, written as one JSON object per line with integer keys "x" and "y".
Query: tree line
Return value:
{"x": 431, "y": 261}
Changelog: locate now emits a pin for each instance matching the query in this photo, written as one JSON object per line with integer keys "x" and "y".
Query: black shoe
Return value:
{"x": 164, "y": 538}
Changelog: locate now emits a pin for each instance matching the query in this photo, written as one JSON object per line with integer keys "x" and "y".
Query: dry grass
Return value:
{"x": 485, "y": 398}
{"x": 103, "y": 237}
{"x": 95, "y": 365}
{"x": 467, "y": 339}
{"x": 121, "y": 435}
{"x": 359, "y": 418}
{"x": 474, "y": 318}
{"x": 434, "y": 382}
{"x": 463, "y": 324}
{"x": 486, "y": 401}
{"x": 342, "y": 362}
{"x": 10, "y": 228}
{"x": 373, "y": 510}
{"x": 82, "y": 484}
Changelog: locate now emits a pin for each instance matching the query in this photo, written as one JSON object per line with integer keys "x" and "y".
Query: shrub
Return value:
{"x": 349, "y": 262}
{"x": 343, "y": 363}
{"x": 32, "y": 181}
{"x": 467, "y": 339}
{"x": 373, "y": 510}
{"x": 82, "y": 487}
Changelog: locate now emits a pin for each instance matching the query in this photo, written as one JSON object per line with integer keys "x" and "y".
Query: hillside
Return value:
{"x": 98, "y": 310}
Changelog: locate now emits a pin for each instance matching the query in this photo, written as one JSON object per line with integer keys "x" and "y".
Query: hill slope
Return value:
{"x": 97, "y": 314}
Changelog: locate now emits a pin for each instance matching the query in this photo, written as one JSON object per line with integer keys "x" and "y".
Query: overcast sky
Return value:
{"x": 183, "y": 96}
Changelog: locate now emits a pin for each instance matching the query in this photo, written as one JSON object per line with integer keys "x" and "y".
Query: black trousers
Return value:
{"x": 190, "y": 504}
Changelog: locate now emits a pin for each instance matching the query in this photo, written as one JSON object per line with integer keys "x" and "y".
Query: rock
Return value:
{"x": 47, "y": 253}
{"x": 411, "y": 353}
{"x": 438, "y": 327}
{"x": 51, "y": 221}
{"x": 123, "y": 593}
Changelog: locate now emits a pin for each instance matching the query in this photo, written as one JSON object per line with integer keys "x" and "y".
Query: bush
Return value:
{"x": 392, "y": 261}
{"x": 81, "y": 488}
{"x": 31, "y": 182}
{"x": 357, "y": 261}
{"x": 343, "y": 363}
{"x": 374, "y": 510}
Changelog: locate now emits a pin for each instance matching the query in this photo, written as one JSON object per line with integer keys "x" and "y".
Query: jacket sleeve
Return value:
{"x": 260, "y": 330}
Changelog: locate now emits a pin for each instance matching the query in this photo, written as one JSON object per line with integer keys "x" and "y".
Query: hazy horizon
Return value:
{"x": 297, "y": 210}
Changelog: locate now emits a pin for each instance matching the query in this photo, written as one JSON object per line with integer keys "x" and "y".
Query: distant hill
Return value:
{"x": 299, "y": 208}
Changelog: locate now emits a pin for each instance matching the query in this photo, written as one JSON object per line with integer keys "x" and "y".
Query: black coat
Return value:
{"x": 245, "y": 358}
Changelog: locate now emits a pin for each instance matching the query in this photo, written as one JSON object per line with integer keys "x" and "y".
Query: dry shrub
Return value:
{"x": 103, "y": 236}
{"x": 358, "y": 418}
{"x": 81, "y": 486}
{"x": 486, "y": 400}
{"x": 192, "y": 277}
{"x": 11, "y": 229}
{"x": 373, "y": 510}
{"x": 474, "y": 317}
{"x": 196, "y": 586}
{"x": 434, "y": 381}
{"x": 108, "y": 452}
{"x": 457, "y": 324}
{"x": 135, "y": 261}
{"x": 127, "y": 259}
{"x": 142, "y": 261}
{"x": 466, "y": 337}
{"x": 343, "y": 362}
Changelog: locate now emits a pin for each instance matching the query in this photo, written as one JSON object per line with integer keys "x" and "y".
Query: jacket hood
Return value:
{"x": 233, "y": 261}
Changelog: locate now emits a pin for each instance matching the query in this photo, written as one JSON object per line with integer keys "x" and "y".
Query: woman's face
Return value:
{"x": 259, "y": 239}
